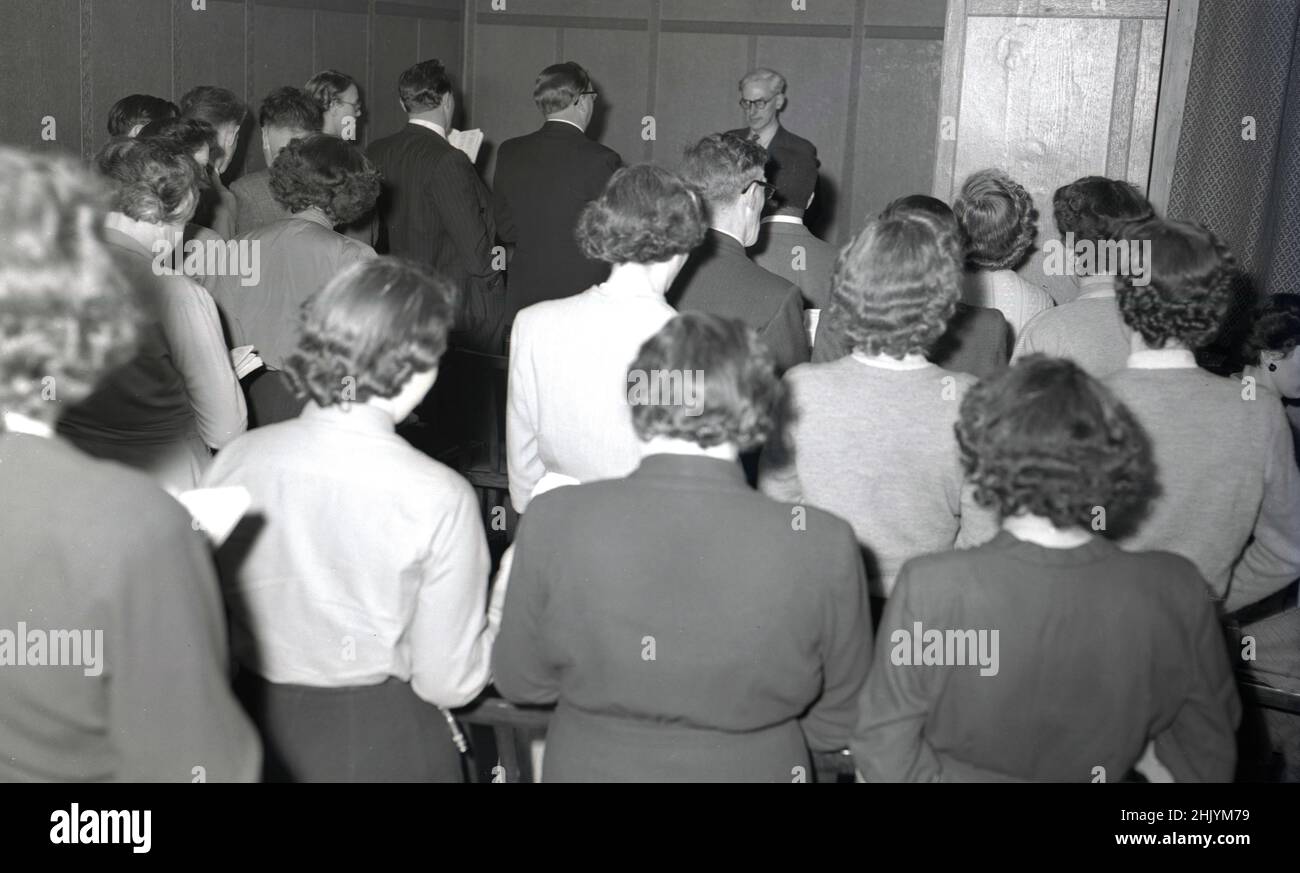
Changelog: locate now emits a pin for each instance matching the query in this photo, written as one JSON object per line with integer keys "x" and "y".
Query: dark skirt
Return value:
{"x": 366, "y": 733}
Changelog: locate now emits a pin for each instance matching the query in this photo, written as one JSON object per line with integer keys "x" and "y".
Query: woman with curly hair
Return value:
{"x": 358, "y": 609}
{"x": 869, "y": 436}
{"x": 1048, "y": 653}
{"x": 999, "y": 221}
{"x": 89, "y": 543}
{"x": 177, "y": 398}
{"x": 566, "y": 418}
{"x": 1230, "y": 490}
{"x": 729, "y": 639}
{"x": 1088, "y": 330}
{"x": 322, "y": 182}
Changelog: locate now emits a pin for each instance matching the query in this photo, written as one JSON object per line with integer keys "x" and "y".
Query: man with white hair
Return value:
{"x": 762, "y": 97}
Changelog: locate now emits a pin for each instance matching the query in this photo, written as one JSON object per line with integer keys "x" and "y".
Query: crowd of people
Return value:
{"x": 892, "y": 499}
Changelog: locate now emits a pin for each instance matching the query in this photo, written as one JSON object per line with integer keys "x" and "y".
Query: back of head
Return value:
{"x": 187, "y": 134}
{"x": 291, "y": 109}
{"x": 423, "y": 86}
{"x": 558, "y": 86}
{"x": 136, "y": 110}
{"x": 1277, "y": 325}
{"x": 1189, "y": 283}
{"x": 706, "y": 379}
{"x": 998, "y": 218}
{"x": 720, "y": 165}
{"x": 217, "y": 106}
{"x": 370, "y": 329}
{"x": 1046, "y": 438}
{"x": 151, "y": 180}
{"x": 931, "y": 207}
{"x": 1096, "y": 208}
{"x": 327, "y": 86}
{"x": 65, "y": 314}
{"x": 896, "y": 284}
{"x": 646, "y": 214}
{"x": 325, "y": 172}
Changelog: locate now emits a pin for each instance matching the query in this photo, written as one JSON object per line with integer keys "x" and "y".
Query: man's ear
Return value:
{"x": 780, "y": 102}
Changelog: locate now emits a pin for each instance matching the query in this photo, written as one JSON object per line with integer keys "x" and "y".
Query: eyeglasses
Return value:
{"x": 769, "y": 191}
{"x": 583, "y": 93}
{"x": 756, "y": 104}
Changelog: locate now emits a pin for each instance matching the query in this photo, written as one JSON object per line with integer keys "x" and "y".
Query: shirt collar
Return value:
{"x": 885, "y": 362}
{"x": 782, "y": 219}
{"x": 566, "y": 121}
{"x": 436, "y": 128}
{"x": 1096, "y": 287}
{"x": 315, "y": 217}
{"x": 351, "y": 416}
{"x": 1162, "y": 359}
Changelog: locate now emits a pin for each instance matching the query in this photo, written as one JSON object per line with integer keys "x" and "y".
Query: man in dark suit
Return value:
{"x": 286, "y": 114}
{"x": 543, "y": 180}
{"x": 718, "y": 277}
{"x": 762, "y": 96}
{"x": 434, "y": 208}
{"x": 787, "y": 248}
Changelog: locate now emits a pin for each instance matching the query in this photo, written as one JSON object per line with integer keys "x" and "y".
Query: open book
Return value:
{"x": 468, "y": 141}
{"x": 216, "y": 511}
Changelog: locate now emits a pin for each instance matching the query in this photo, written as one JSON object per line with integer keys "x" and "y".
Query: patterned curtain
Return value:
{"x": 1244, "y": 83}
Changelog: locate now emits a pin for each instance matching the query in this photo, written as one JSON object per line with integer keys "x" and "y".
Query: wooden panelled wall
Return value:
{"x": 863, "y": 80}
{"x": 72, "y": 59}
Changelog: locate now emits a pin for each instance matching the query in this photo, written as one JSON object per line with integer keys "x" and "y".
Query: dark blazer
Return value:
{"x": 434, "y": 209}
{"x": 692, "y": 644}
{"x": 787, "y": 153}
{"x": 977, "y": 342}
{"x": 543, "y": 180}
{"x": 775, "y": 252}
{"x": 256, "y": 204}
{"x": 720, "y": 279}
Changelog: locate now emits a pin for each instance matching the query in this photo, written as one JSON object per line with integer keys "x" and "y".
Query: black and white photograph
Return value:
{"x": 650, "y": 391}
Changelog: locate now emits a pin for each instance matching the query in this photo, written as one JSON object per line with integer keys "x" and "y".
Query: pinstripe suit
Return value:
{"x": 434, "y": 209}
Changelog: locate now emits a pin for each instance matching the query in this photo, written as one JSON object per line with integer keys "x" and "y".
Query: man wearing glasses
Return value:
{"x": 762, "y": 97}
{"x": 719, "y": 277}
{"x": 542, "y": 182}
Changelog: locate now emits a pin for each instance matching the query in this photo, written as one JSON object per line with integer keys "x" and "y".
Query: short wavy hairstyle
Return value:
{"x": 328, "y": 173}
{"x": 721, "y": 165}
{"x": 645, "y": 214}
{"x": 66, "y": 315}
{"x": 559, "y": 85}
{"x": 941, "y": 212}
{"x": 371, "y": 328}
{"x": 152, "y": 180}
{"x": 1190, "y": 278}
{"x": 217, "y": 106}
{"x": 896, "y": 284}
{"x": 998, "y": 219}
{"x": 1277, "y": 325}
{"x": 328, "y": 86}
{"x": 188, "y": 134}
{"x": 137, "y": 110}
{"x": 1096, "y": 208}
{"x": 423, "y": 86}
{"x": 706, "y": 379}
{"x": 1045, "y": 438}
{"x": 292, "y": 109}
